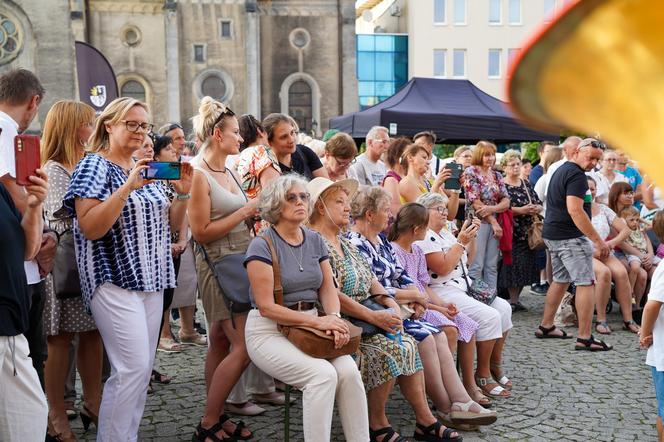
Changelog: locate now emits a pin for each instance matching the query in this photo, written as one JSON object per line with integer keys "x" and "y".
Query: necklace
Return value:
{"x": 214, "y": 170}
{"x": 299, "y": 262}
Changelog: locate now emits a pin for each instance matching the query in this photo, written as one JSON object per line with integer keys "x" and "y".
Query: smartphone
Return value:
{"x": 27, "y": 156}
{"x": 162, "y": 170}
{"x": 454, "y": 181}
{"x": 470, "y": 213}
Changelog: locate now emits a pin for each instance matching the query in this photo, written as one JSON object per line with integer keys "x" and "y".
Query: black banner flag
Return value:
{"x": 97, "y": 85}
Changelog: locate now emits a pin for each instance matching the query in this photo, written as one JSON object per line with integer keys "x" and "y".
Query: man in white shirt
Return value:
{"x": 20, "y": 96}
{"x": 369, "y": 169}
{"x": 427, "y": 139}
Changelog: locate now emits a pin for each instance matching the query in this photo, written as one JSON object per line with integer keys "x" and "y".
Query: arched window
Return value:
{"x": 300, "y": 104}
{"x": 214, "y": 86}
{"x": 133, "y": 89}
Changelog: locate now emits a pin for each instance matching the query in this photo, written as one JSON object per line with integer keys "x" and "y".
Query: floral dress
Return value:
{"x": 415, "y": 264}
{"x": 380, "y": 358}
{"x": 523, "y": 270}
{"x": 477, "y": 186}
{"x": 251, "y": 162}
{"x": 392, "y": 276}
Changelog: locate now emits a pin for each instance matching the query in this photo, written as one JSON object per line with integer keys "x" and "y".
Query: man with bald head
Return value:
{"x": 572, "y": 240}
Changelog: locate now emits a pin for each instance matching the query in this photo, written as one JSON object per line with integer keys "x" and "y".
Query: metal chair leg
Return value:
{"x": 287, "y": 391}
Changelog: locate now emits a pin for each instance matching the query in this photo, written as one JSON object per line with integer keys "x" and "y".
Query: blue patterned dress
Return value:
{"x": 392, "y": 276}
{"x": 135, "y": 253}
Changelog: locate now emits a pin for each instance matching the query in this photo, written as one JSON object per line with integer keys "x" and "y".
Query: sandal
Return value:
{"x": 203, "y": 434}
{"x": 497, "y": 374}
{"x": 478, "y": 396}
{"x": 168, "y": 345}
{"x": 546, "y": 333}
{"x": 631, "y": 326}
{"x": 239, "y": 426}
{"x": 432, "y": 433}
{"x": 446, "y": 420}
{"x": 160, "y": 378}
{"x": 592, "y": 344}
{"x": 606, "y": 330}
{"x": 388, "y": 433}
{"x": 463, "y": 415}
{"x": 518, "y": 307}
{"x": 495, "y": 392}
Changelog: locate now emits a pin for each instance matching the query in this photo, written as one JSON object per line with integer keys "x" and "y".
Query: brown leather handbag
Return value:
{"x": 535, "y": 240}
{"x": 314, "y": 342}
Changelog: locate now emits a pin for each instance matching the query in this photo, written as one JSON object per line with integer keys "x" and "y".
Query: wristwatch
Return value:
{"x": 183, "y": 196}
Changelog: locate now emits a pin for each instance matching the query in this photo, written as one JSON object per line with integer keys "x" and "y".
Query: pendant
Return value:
{"x": 301, "y": 269}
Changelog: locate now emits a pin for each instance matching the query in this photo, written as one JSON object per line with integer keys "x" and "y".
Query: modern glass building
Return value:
{"x": 382, "y": 66}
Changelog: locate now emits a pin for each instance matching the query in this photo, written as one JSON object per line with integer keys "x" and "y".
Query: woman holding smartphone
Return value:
{"x": 122, "y": 230}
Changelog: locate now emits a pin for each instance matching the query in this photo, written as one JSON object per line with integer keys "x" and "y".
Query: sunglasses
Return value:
{"x": 227, "y": 112}
{"x": 172, "y": 126}
{"x": 295, "y": 197}
{"x": 596, "y": 144}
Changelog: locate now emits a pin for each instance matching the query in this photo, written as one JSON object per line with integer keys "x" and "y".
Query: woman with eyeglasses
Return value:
{"x": 524, "y": 204}
{"x": 607, "y": 175}
{"x": 340, "y": 153}
{"x": 218, "y": 213}
{"x": 122, "y": 234}
{"x": 307, "y": 281}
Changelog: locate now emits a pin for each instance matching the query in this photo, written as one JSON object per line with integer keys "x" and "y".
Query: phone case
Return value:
{"x": 27, "y": 155}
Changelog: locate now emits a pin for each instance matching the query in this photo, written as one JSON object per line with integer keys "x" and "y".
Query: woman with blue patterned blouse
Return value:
{"x": 370, "y": 209}
{"x": 122, "y": 233}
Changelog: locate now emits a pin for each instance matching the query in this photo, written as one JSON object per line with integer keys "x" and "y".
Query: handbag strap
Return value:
{"x": 276, "y": 269}
{"x": 523, "y": 184}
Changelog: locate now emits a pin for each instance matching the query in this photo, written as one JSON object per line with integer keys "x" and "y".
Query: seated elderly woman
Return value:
{"x": 447, "y": 262}
{"x": 383, "y": 356}
{"x": 307, "y": 280}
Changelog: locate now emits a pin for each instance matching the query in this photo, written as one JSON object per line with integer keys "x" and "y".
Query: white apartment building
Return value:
{"x": 465, "y": 39}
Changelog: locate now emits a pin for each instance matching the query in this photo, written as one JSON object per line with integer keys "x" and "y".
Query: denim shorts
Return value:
{"x": 658, "y": 380}
{"x": 572, "y": 260}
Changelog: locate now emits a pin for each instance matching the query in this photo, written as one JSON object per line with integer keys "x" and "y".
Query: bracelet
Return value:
{"x": 183, "y": 196}
{"x": 337, "y": 314}
{"x": 462, "y": 246}
{"x": 121, "y": 197}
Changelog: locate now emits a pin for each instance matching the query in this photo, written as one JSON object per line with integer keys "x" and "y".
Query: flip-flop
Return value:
{"x": 545, "y": 333}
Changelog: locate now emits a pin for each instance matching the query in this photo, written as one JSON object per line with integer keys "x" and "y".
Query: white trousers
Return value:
{"x": 321, "y": 381}
{"x": 23, "y": 409}
{"x": 129, "y": 326}
{"x": 493, "y": 320}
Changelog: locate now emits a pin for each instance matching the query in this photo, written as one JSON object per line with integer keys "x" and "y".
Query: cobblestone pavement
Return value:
{"x": 559, "y": 394}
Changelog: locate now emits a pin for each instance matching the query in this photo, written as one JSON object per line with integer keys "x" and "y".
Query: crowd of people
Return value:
{"x": 430, "y": 265}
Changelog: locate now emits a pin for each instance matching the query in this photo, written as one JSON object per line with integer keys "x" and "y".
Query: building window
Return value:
{"x": 225, "y": 29}
{"x": 130, "y": 35}
{"x": 215, "y": 83}
{"x": 549, "y": 9}
{"x": 133, "y": 89}
{"x": 459, "y": 63}
{"x": 11, "y": 38}
{"x": 300, "y": 104}
{"x": 213, "y": 86}
{"x": 459, "y": 12}
{"x": 495, "y": 12}
{"x": 494, "y": 63}
{"x": 512, "y": 55}
{"x": 515, "y": 12}
{"x": 199, "y": 53}
{"x": 439, "y": 62}
{"x": 299, "y": 38}
{"x": 439, "y": 16}
{"x": 382, "y": 66}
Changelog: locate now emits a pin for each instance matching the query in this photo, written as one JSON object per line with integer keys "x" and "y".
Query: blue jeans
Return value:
{"x": 485, "y": 264}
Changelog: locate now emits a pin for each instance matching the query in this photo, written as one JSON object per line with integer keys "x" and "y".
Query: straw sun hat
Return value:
{"x": 319, "y": 185}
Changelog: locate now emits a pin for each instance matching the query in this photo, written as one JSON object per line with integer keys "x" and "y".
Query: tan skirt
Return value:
{"x": 214, "y": 302}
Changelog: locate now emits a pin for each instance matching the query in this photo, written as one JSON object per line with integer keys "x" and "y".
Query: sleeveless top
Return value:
{"x": 224, "y": 202}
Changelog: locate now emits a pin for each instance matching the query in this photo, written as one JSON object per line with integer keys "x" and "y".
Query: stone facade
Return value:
{"x": 259, "y": 57}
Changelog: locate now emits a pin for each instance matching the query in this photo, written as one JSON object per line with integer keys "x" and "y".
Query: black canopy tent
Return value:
{"x": 456, "y": 110}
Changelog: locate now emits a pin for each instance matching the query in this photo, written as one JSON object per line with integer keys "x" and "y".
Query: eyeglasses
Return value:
{"x": 344, "y": 164}
{"x": 622, "y": 164}
{"x": 440, "y": 210}
{"x": 227, "y": 112}
{"x": 610, "y": 160}
{"x": 295, "y": 197}
{"x": 594, "y": 143}
{"x": 514, "y": 165}
{"x": 132, "y": 126}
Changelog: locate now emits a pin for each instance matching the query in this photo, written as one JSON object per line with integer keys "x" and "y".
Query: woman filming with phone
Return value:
{"x": 122, "y": 229}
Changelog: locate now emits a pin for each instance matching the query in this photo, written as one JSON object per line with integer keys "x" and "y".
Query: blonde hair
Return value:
{"x": 207, "y": 119}
{"x": 554, "y": 154}
{"x": 60, "y": 142}
{"x": 114, "y": 112}
{"x": 509, "y": 156}
{"x": 480, "y": 149}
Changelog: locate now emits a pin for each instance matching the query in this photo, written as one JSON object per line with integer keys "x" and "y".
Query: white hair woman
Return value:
{"x": 307, "y": 280}
{"x": 447, "y": 260}
{"x": 122, "y": 233}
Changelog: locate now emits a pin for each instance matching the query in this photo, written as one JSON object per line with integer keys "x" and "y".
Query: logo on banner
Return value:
{"x": 98, "y": 95}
